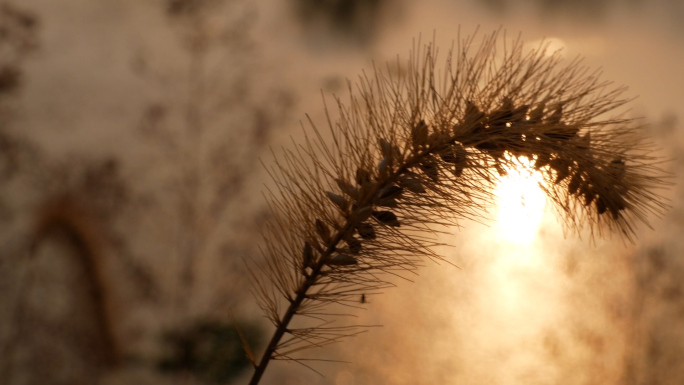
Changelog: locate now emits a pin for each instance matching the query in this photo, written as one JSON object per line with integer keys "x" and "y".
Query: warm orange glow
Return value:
{"x": 553, "y": 46}
{"x": 521, "y": 203}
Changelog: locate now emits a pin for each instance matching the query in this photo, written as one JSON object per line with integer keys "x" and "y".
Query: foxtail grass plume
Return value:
{"x": 418, "y": 147}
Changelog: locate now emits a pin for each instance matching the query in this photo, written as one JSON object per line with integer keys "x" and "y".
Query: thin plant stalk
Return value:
{"x": 418, "y": 148}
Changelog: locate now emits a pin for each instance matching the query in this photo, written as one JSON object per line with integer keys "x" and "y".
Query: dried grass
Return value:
{"x": 413, "y": 152}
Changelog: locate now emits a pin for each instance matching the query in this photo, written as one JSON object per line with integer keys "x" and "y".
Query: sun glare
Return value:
{"x": 520, "y": 202}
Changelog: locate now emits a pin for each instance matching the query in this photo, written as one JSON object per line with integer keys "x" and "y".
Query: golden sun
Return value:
{"x": 520, "y": 203}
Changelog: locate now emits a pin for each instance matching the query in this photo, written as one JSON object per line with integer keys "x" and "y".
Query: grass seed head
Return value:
{"x": 424, "y": 151}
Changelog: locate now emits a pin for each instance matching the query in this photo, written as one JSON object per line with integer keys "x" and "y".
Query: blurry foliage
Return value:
{"x": 18, "y": 39}
{"x": 182, "y": 125}
{"x": 591, "y": 9}
{"x": 657, "y": 318}
{"x": 98, "y": 190}
{"x": 61, "y": 275}
{"x": 70, "y": 204}
{"x": 10, "y": 78}
{"x": 356, "y": 20}
{"x": 17, "y": 32}
{"x": 210, "y": 350}
{"x": 65, "y": 259}
{"x": 208, "y": 126}
{"x": 96, "y": 183}
{"x": 178, "y": 8}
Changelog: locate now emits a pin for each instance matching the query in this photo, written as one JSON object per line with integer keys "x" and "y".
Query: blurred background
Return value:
{"x": 131, "y": 140}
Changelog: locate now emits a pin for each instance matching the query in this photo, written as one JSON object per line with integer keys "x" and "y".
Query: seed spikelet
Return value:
{"x": 423, "y": 151}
